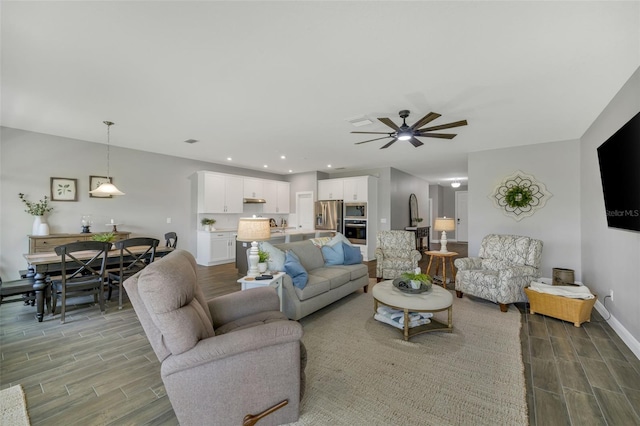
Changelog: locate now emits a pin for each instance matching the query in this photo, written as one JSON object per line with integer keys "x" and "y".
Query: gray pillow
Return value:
{"x": 276, "y": 256}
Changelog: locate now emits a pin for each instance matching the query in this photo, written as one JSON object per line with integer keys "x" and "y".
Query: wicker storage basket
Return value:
{"x": 576, "y": 311}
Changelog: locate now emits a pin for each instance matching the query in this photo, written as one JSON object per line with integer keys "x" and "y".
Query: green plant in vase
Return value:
{"x": 108, "y": 237}
{"x": 416, "y": 279}
{"x": 207, "y": 223}
{"x": 263, "y": 257}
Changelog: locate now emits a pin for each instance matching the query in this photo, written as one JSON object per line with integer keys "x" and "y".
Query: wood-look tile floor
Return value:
{"x": 100, "y": 369}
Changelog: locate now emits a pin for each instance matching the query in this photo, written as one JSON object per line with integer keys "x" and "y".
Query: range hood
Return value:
{"x": 254, "y": 200}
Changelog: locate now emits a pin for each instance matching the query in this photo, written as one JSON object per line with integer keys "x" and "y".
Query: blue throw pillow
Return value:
{"x": 333, "y": 255}
{"x": 352, "y": 255}
{"x": 295, "y": 270}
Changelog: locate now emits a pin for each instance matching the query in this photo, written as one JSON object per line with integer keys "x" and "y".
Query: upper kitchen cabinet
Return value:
{"x": 276, "y": 195}
{"x": 331, "y": 189}
{"x": 356, "y": 188}
{"x": 254, "y": 188}
{"x": 219, "y": 193}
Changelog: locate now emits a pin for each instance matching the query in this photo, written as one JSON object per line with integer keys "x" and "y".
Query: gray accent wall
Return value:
{"x": 610, "y": 257}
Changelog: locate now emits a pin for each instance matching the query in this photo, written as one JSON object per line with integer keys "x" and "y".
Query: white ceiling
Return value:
{"x": 257, "y": 80}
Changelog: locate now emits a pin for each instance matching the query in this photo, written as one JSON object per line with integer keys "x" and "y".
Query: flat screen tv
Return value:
{"x": 619, "y": 158}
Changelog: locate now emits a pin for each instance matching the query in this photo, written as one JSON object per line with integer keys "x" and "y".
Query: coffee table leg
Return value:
{"x": 450, "y": 311}
{"x": 406, "y": 324}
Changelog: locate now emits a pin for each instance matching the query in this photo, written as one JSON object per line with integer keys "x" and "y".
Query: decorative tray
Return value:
{"x": 405, "y": 286}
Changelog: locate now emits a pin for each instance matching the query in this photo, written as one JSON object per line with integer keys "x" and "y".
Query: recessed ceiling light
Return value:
{"x": 265, "y": 166}
{"x": 329, "y": 165}
{"x": 228, "y": 158}
{"x": 283, "y": 157}
{"x": 290, "y": 171}
{"x": 191, "y": 141}
{"x": 360, "y": 121}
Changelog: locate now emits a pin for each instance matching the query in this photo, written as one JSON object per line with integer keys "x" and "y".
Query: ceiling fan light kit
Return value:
{"x": 409, "y": 133}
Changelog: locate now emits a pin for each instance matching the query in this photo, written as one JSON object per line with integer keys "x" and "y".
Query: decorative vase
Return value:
{"x": 262, "y": 267}
{"x": 43, "y": 229}
{"x": 415, "y": 284}
{"x": 37, "y": 221}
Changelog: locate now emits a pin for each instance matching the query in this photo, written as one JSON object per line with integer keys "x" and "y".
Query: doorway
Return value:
{"x": 462, "y": 225}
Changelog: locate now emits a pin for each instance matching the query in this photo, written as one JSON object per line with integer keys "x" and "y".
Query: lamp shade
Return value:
{"x": 106, "y": 189}
{"x": 253, "y": 229}
{"x": 444, "y": 224}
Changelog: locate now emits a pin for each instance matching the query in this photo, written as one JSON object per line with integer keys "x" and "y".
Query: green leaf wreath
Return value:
{"x": 518, "y": 196}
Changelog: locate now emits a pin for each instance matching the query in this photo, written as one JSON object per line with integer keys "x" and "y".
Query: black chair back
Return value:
{"x": 135, "y": 254}
{"x": 171, "y": 239}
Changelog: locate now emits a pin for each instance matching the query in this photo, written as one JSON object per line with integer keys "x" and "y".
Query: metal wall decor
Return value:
{"x": 520, "y": 195}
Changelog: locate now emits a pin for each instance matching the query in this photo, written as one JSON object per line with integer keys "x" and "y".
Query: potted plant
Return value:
{"x": 263, "y": 256}
{"x": 108, "y": 237}
{"x": 207, "y": 224}
{"x": 37, "y": 210}
{"x": 416, "y": 279}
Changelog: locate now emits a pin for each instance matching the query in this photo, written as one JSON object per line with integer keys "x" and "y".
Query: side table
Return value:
{"x": 250, "y": 282}
{"x": 444, "y": 256}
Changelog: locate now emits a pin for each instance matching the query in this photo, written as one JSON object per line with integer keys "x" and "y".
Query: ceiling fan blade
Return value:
{"x": 424, "y": 120}
{"x": 376, "y": 133}
{"x": 415, "y": 142}
{"x": 389, "y": 123}
{"x": 371, "y": 140}
{"x": 436, "y": 135}
{"x": 445, "y": 126}
{"x": 389, "y": 144}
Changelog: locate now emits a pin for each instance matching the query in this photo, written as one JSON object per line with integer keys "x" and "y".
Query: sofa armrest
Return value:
{"x": 240, "y": 304}
{"x": 518, "y": 271}
{"x": 466, "y": 263}
{"x": 231, "y": 344}
{"x": 416, "y": 255}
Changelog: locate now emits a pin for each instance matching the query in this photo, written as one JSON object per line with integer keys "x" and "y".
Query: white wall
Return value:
{"x": 610, "y": 257}
{"x": 557, "y": 224}
{"x": 156, "y": 186}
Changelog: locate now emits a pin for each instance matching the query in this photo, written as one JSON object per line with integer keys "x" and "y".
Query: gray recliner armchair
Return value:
{"x": 505, "y": 265}
{"x": 234, "y": 359}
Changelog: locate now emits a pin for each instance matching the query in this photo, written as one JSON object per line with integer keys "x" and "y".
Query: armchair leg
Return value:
{"x": 503, "y": 307}
{"x": 459, "y": 294}
{"x": 366, "y": 288}
{"x": 378, "y": 279}
{"x": 252, "y": 419}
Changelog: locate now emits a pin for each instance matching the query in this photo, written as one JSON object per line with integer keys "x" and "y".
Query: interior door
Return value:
{"x": 462, "y": 230}
{"x": 304, "y": 210}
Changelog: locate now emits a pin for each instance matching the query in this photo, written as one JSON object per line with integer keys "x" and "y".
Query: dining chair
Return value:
{"x": 171, "y": 239}
{"x": 135, "y": 254}
{"x": 83, "y": 267}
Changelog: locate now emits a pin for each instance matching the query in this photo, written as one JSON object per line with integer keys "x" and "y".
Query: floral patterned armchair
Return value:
{"x": 395, "y": 253}
{"x": 505, "y": 266}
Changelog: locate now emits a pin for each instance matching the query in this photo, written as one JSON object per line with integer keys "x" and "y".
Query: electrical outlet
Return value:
{"x": 611, "y": 295}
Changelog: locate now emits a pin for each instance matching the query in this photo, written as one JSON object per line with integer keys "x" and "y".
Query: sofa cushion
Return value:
{"x": 316, "y": 285}
{"x": 276, "y": 256}
{"x": 495, "y": 264}
{"x": 310, "y": 256}
{"x": 251, "y": 321}
{"x": 352, "y": 254}
{"x": 333, "y": 255}
{"x": 170, "y": 292}
{"x": 295, "y": 270}
{"x": 334, "y": 274}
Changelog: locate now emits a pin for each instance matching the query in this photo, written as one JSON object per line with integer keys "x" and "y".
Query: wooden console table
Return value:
{"x": 421, "y": 233}
{"x": 48, "y": 243}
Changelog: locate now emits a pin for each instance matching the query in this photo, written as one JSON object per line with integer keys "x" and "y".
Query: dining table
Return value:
{"x": 46, "y": 265}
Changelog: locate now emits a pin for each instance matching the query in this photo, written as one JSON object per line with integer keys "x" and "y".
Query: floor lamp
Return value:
{"x": 253, "y": 229}
{"x": 444, "y": 224}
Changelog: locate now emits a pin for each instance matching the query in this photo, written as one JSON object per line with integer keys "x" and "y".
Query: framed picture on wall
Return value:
{"x": 64, "y": 189}
{"x": 95, "y": 182}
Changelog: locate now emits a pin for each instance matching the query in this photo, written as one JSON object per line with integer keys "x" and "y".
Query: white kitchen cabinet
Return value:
{"x": 331, "y": 189}
{"x": 277, "y": 196}
{"x": 216, "y": 248}
{"x": 219, "y": 193}
{"x": 356, "y": 189}
{"x": 254, "y": 188}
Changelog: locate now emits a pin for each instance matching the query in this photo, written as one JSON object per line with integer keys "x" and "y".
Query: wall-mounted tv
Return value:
{"x": 619, "y": 158}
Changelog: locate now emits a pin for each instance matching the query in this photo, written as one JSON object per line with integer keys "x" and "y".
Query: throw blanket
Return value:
{"x": 395, "y": 317}
{"x": 574, "y": 292}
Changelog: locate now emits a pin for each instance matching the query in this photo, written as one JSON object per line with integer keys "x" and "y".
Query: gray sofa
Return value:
{"x": 224, "y": 358}
{"x": 325, "y": 285}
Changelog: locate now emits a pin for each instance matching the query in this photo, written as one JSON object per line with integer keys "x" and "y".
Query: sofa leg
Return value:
{"x": 503, "y": 307}
{"x": 459, "y": 294}
{"x": 366, "y": 288}
{"x": 252, "y": 419}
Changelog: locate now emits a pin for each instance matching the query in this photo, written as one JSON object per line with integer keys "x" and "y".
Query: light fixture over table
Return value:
{"x": 444, "y": 224}
{"x": 107, "y": 188}
{"x": 253, "y": 229}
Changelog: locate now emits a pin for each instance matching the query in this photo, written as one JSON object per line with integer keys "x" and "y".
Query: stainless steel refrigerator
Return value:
{"x": 328, "y": 215}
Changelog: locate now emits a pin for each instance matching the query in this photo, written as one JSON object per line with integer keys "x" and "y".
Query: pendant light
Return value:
{"x": 107, "y": 188}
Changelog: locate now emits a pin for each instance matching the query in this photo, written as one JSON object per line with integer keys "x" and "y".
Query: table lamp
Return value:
{"x": 253, "y": 229}
{"x": 444, "y": 224}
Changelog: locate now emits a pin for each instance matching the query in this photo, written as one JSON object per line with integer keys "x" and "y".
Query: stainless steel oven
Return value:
{"x": 356, "y": 211}
{"x": 356, "y": 231}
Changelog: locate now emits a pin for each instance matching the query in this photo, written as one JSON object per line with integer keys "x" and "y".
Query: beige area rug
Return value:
{"x": 362, "y": 372}
{"x": 13, "y": 407}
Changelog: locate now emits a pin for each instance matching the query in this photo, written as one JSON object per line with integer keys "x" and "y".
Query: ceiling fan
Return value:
{"x": 409, "y": 133}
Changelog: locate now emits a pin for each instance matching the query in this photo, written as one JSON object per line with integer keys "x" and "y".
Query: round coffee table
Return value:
{"x": 435, "y": 300}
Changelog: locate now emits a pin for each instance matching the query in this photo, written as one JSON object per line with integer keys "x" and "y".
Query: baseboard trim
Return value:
{"x": 620, "y": 330}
